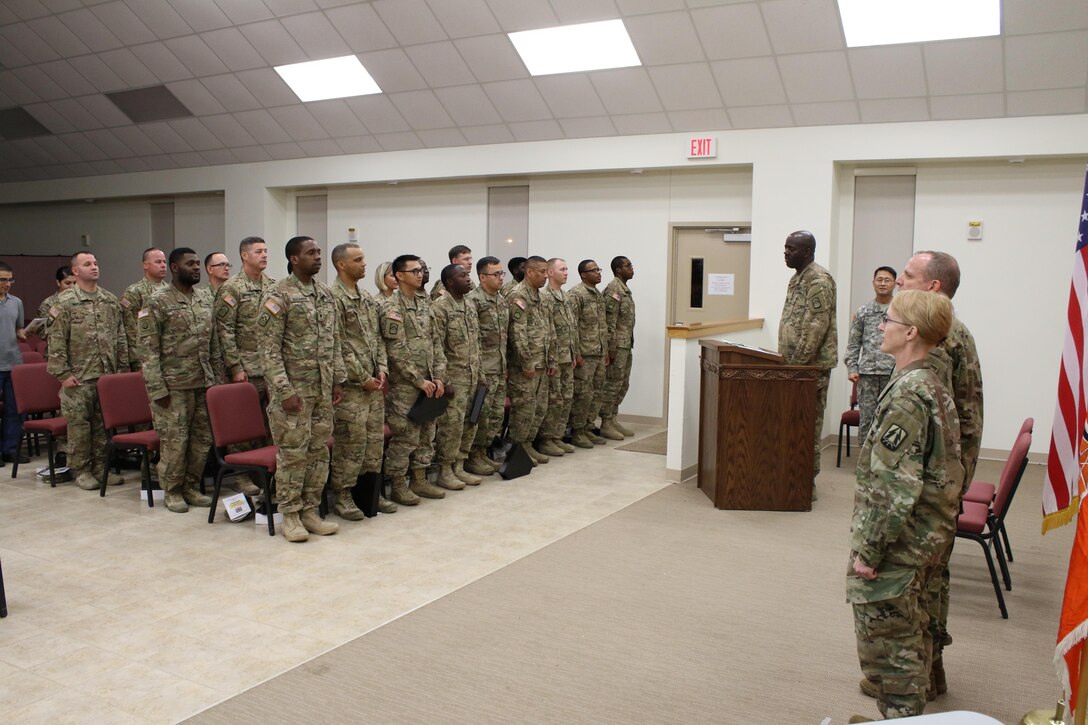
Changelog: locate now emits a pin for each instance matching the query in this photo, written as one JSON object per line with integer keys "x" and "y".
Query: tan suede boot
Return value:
{"x": 447, "y": 479}
{"x": 622, "y": 428}
{"x": 464, "y": 476}
{"x": 345, "y": 507}
{"x": 385, "y": 506}
{"x": 402, "y": 494}
{"x": 313, "y": 523}
{"x": 534, "y": 454}
{"x": 478, "y": 463}
{"x": 609, "y": 430}
{"x": 548, "y": 448}
{"x": 566, "y": 447}
{"x": 581, "y": 439}
{"x": 194, "y": 497}
{"x": 175, "y": 502}
{"x": 420, "y": 486}
{"x": 293, "y": 530}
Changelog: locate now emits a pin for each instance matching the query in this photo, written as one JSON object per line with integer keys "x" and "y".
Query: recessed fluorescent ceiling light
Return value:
{"x": 885, "y": 22}
{"x": 570, "y": 48}
{"x": 320, "y": 80}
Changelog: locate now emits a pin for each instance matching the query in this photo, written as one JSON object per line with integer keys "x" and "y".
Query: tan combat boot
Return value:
{"x": 88, "y": 482}
{"x": 622, "y": 428}
{"x": 535, "y": 454}
{"x": 293, "y": 530}
{"x": 595, "y": 439}
{"x": 402, "y": 494}
{"x": 581, "y": 438}
{"x": 345, "y": 507}
{"x": 114, "y": 479}
{"x": 567, "y": 447}
{"x": 245, "y": 484}
{"x": 313, "y": 523}
{"x": 464, "y": 476}
{"x": 420, "y": 486}
{"x": 869, "y": 688}
{"x": 447, "y": 479}
{"x": 175, "y": 502}
{"x": 477, "y": 463}
{"x": 194, "y": 497}
{"x": 548, "y": 448}
{"x": 609, "y": 430}
{"x": 385, "y": 506}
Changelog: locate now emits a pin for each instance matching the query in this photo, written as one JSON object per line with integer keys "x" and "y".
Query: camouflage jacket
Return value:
{"x": 956, "y": 362}
{"x": 620, "y": 314}
{"x": 439, "y": 289}
{"x": 806, "y": 332}
{"x": 133, "y": 300}
{"x": 508, "y": 287}
{"x": 237, "y": 307}
{"x": 178, "y": 345}
{"x": 906, "y": 498}
{"x": 563, "y": 324}
{"x": 863, "y": 353}
{"x": 493, "y": 319}
{"x": 360, "y": 339}
{"x": 531, "y": 340}
{"x": 587, "y": 308}
{"x": 87, "y": 336}
{"x": 456, "y": 330}
{"x": 406, "y": 327}
{"x": 43, "y": 311}
{"x": 299, "y": 340}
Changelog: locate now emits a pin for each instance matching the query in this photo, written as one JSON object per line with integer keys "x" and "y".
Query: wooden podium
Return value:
{"x": 757, "y": 417}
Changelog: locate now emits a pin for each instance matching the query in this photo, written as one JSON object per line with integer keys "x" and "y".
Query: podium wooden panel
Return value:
{"x": 757, "y": 417}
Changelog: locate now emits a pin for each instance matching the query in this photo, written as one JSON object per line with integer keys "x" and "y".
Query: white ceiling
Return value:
{"x": 451, "y": 77}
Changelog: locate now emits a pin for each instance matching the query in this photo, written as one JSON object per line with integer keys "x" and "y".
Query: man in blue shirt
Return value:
{"x": 11, "y": 332}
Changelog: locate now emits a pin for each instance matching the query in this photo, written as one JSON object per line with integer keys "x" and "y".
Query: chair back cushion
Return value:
{"x": 234, "y": 411}
{"x": 32, "y": 357}
{"x": 123, "y": 399}
{"x": 36, "y": 391}
{"x": 1011, "y": 473}
{"x": 1028, "y": 426}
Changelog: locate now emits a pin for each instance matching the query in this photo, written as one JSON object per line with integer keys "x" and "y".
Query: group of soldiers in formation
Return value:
{"x": 332, "y": 360}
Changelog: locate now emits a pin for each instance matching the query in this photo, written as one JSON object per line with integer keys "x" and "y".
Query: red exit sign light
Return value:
{"x": 703, "y": 148}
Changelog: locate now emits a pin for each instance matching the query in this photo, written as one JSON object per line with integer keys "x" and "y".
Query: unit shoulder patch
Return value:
{"x": 893, "y": 437}
{"x": 125, "y": 302}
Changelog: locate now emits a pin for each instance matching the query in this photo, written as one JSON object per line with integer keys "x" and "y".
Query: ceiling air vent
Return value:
{"x": 18, "y": 123}
{"x": 156, "y": 103}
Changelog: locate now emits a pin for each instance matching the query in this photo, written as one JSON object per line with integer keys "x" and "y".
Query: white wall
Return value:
{"x": 199, "y": 222}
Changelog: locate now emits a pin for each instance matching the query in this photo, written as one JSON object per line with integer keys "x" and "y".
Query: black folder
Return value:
{"x": 427, "y": 409}
{"x": 477, "y": 407}
{"x": 517, "y": 463}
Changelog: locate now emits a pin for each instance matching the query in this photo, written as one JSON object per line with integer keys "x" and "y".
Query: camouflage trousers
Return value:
{"x": 617, "y": 379}
{"x": 938, "y": 591}
{"x": 528, "y": 404}
{"x": 894, "y": 649}
{"x": 494, "y": 411}
{"x": 185, "y": 438}
{"x": 412, "y": 445}
{"x": 451, "y": 428}
{"x": 358, "y": 431}
{"x": 86, "y": 434}
{"x": 821, "y": 405}
{"x": 302, "y": 461}
{"x": 869, "y": 387}
{"x": 560, "y": 397}
{"x": 588, "y": 392}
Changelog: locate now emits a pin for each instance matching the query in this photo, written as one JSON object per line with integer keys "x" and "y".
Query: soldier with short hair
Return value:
{"x": 620, "y": 314}
{"x": 516, "y": 266}
{"x": 136, "y": 296}
{"x": 531, "y": 343}
{"x": 460, "y": 255}
{"x": 588, "y": 309}
{"x": 65, "y": 280}
{"x": 493, "y": 321}
{"x": 561, "y": 385}
{"x": 12, "y": 332}
{"x": 865, "y": 364}
{"x": 217, "y": 265}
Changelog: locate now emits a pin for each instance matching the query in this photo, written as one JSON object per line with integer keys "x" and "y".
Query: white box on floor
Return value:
{"x": 261, "y": 520}
{"x": 156, "y": 493}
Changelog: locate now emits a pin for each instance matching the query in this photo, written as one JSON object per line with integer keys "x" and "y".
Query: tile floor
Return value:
{"x": 123, "y": 614}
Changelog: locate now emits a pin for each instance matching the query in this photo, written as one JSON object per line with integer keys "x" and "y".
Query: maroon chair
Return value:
{"x": 32, "y": 357}
{"x": 983, "y": 492}
{"x": 234, "y": 411}
{"x": 850, "y": 419}
{"x": 983, "y": 523}
{"x": 37, "y": 395}
{"x": 125, "y": 406}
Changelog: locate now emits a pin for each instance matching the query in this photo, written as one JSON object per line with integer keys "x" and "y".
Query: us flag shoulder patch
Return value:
{"x": 394, "y": 315}
{"x": 229, "y": 299}
{"x": 519, "y": 302}
{"x": 54, "y": 311}
{"x": 616, "y": 296}
{"x": 125, "y": 303}
{"x": 272, "y": 307}
{"x": 143, "y": 313}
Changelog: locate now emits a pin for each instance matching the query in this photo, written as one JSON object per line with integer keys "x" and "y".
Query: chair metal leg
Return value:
{"x": 1005, "y": 537}
{"x": 1005, "y": 577}
{"x": 215, "y": 495}
{"x": 266, "y": 484}
{"x": 145, "y": 476}
{"x": 15, "y": 463}
{"x": 848, "y": 441}
{"x": 993, "y": 577}
{"x": 105, "y": 471}
{"x": 3, "y": 596}
{"x": 50, "y": 443}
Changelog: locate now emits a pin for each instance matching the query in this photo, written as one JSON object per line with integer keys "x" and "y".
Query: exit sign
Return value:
{"x": 703, "y": 148}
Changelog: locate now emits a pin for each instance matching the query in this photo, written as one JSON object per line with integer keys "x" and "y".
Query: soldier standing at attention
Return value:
{"x": 493, "y": 319}
{"x": 301, "y": 359}
{"x": 532, "y": 357}
{"x": 217, "y": 266}
{"x": 179, "y": 351}
{"x": 620, "y": 312}
{"x": 415, "y": 364}
{"x": 806, "y": 332}
{"x": 587, "y": 307}
{"x": 456, "y": 330}
{"x": 459, "y": 255}
{"x": 359, "y": 420}
{"x": 905, "y": 504}
{"x": 136, "y": 296}
{"x": 865, "y": 364}
{"x": 516, "y": 265}
{"x": 65, "y": 280}
{"x": 86, "y": 341}
{"x": 561, "y": 385}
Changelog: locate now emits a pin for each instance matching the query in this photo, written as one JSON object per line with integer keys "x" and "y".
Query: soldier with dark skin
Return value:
{"x": 620, "y": 315}
{"x": 516, "y": 266}
{"x": 136, "y": 296}
{"x": 588, "y": 309}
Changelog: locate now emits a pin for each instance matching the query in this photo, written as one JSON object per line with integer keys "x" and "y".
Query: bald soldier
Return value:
{"x": 136, "y": 296}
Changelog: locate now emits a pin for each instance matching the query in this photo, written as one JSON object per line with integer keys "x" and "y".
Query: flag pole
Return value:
{"x": 1082, "y": 691}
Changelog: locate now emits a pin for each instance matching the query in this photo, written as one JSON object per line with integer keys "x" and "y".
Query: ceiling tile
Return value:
{"x": 110, "y": 144}
{"x": 536, "y": 130}
{"x": 732, "y": 31}
{"x": 1049, "y": 60}
{"x": 749, "y": 82}
{"x": 642, "y": 123}
{"x": 37, "y": 154}
{"x": 201, "y": 15}
{"x": 80, "y": 170}
{"x": 262, "y": 127}
{"x": 761, "y": 117}
{"x": 128, "y": 68}
{"x": 588, "y": 127}
{"x": 979, "y": 105}
{"x": 803, "y": 26}
{"x": 492, "y": 58}
{"x": 570, "y": 95}
{"x": 27, "y": 43}
{"x": 187, "y": 159}
{"x": 1031, "y": 16}
{"x": 685, "y": 87}
{"x": 377, "y": 113}
{"x": 894, "y": 109}
{"x": 358, "y": 145}
{"x": 49, "y": 117}
{"x": 964, "y": 66}
{"x": 392, "y": 71}
{"x": 493, "y": 133}
{"x": 133, "y": 164}
{"x": 290, "y": 7}
{"x": 251, "y": 154}
{"x": 517, "y": 100}
{"x": 15, "y": 89}
{"x": 137, "y": 140}
{"x": 514, "y": 15}
{"x": 464, "y": 17}
{"x": 298, "y": 123}
{"x": 336, "y": 118}
{"x": 664, "y": 38}
{"x": 57, "y": 35}
{"x": 361, "y": 28}
{"x": 123, "y": 23}
{"x": 106, "y": 167}
{"x": 196, "y": 97}
{"x": 195, "y": 134}
{"x": 584, "y": 11}
{"x": 410, "y": 21}
{"x": 398, "y": 141}
{"x": 640, "y": 7}
{"x": 90, "y": 30}
{"x": 314, "y": 31}
{"x": 626, "y": 90}
{"x": 890, "y": 71}
{"x": 421, "y": 109}
{"x": 165, "y": 137}
{"x": 63, "y": 74}
{"x": 34, "y": 78}
{"x": 160, "y": 163}
{"x": 7, "y": 15}
{"x": 274, "y": 43}
{"x": 84, "y": 147}
{"x": 825, "y": 114}
{"x": 707, "y": 119}
{"x": 218, "y": 157}
{"x": 27, "y": 9}
{"x": 231, "y": 47}
{"x": 160, "y": 61}
{"x": 58, "y": 149}
{"x": 245, "y": 11}
{"x": 440, "y": 64}
{"x": 268, "y": 87}
{"x": 11, "y": 57}
{"x": 196, "y": 55}
{"x": 75, "y": 114}
{"x": 441, "y": 138}
{"x": 320, "y": 147}
{"x": 104, "y": 110}
{"x": 1043, "y": 103}
{"x": 162, "y": 19}
{"x": 99, "y": 74}
{"x": 812, "y": 77}
{"x": 229, "y": 91}
{"x": 468, "y": 105}
{"x": 60, "y": 6}
{"x": 227, "y": 129}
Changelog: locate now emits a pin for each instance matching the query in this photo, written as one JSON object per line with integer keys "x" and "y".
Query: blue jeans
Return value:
{"x": 11, "y": 432}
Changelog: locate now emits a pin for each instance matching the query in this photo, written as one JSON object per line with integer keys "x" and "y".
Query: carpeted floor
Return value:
{"x": 671, "y": 611}
{"x": 650, "y": 444}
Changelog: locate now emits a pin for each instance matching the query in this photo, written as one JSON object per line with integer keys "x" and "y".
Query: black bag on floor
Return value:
{"x": 517, "y": 463}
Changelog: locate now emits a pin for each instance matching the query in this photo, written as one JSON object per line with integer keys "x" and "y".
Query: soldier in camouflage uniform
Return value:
{"x": 561, "y": 385}
{"x": 905, "y": 506}
{"x": 86, "y": 341}
{"x": 620, "y": 313}
{"x": 493, "y": 321}
{"x": 136, "y": 296}
{"x": 865, "y": 364}
{"x": 179, "y": 351}
{"x": 415, "y": 365}
{"x": 359, "y": 420}
{"x": 456, "y": 329}
{"x": 459, "y": 255}
{"x": 516, "y": 265}
{"x": 65, "y": 280}
{"x": 217, "y": 266}
{"x": 588, "y": 310}
{"x": 806, "y": 332}
{"x": 302, "y": 362}
{"x": 531, "y": 346}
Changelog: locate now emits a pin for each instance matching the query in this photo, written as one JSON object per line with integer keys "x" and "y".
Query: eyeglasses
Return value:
{"x": 417, "y": 270}
{"x": 884, "y": 319}
{"x": 6, "y": 280}
{"x": 221, "y": 264}
{"x": 592, "y": 270}
{"x": 500, "y": 273}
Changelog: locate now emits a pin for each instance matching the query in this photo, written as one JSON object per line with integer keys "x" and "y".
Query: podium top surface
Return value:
{"x": 747, "y": 351}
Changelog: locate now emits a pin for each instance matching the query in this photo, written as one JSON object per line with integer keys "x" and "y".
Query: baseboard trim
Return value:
{"x": 642, "y": 420}
{"x": 674, "y": 476}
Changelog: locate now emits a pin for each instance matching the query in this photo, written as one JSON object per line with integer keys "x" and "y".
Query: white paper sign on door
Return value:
{"x": 720, "y": 284}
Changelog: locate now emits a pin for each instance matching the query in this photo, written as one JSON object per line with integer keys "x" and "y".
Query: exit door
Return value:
{"x": 711, "y": 273}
